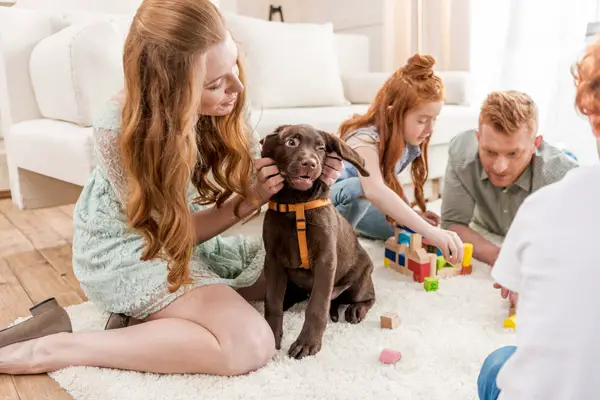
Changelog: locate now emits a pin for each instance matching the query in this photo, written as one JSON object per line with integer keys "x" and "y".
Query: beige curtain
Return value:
{"x": 444, "y": 27}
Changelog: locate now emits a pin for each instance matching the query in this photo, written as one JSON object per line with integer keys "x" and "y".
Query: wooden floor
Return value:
{"x": 35, "y": 263}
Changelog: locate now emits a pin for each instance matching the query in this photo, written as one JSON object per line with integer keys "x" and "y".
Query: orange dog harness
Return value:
{"x": 299, "y": 209}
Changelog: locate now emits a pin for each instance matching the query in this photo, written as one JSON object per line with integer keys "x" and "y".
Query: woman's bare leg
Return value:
{"x": 210, "y": 330}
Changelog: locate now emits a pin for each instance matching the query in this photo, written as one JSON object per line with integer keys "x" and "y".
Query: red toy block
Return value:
{"x": 466, "y": 270}
{"x": 389, "y": 356}
{"x": 420, "y": 271}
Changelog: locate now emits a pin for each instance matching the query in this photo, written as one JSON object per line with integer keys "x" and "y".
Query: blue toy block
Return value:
{"x": 390, "y": 254}
{"x": 401, "y": 259}
{"x": 406, "y": 228}
{"x": 438, "y": 252}
{"x": 403, "y": 238}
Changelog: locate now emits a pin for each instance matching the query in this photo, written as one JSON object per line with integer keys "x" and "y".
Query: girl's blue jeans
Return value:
{"x": 366, "y": 219}
{"x": 486, "y": 382}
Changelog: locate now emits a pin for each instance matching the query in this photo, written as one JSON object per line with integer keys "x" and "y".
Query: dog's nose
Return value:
{"x": 309, "y": 163}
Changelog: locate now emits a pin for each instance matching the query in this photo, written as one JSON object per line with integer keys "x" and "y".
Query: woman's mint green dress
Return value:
{"x": 106, "y": 254}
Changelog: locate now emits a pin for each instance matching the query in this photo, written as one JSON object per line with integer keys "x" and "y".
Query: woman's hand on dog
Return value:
{"x": 269, "y": 180}
{"x": 331, "y": 169}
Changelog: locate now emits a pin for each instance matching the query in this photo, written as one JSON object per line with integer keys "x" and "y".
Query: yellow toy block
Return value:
{"x": 467, "y": 255}
{"x": 386, "y": 262}
{"x": 511, "y": 322}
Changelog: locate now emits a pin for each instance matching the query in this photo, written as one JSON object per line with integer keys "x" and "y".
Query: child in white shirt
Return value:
{"x": 549, "y": 257}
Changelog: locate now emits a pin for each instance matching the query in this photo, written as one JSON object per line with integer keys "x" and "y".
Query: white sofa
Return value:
{"x": 57, "y": 67}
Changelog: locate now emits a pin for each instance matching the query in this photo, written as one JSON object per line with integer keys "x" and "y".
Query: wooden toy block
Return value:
{"x": 389, "y": 320}
{"x": 466, "y": 270}
{"x": 401, "y": 260}
{"x": 419, "y": 255}
{"x": 512, "y": 311}
{"x": 389, "y": 356}
{"x": 390, "y": 254}
{"x": 467, "y": 254}
{"x": 446, "y": 272}
{"x": 420, "y": 270}
{"x": 440, "y": 262}
{"x": 432, "y": 264}
{"x": 403, "y": 238}
{"x": 511, "y": 322}
{"x": 431, "y": 284}
{"x": 401, "y": 269}
{"x": 416, "y": 241}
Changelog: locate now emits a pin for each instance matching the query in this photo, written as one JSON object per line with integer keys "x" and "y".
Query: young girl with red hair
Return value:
{"x": 393, "y": 134}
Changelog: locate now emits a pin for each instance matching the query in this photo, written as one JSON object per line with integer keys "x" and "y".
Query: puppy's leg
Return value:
{"x": 276, "y": 280}
{"x": 361, "y": 294}
{"x": 317, "y": 309}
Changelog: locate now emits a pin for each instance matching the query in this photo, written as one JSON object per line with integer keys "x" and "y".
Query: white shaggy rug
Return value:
{"x": 444, "y": 337}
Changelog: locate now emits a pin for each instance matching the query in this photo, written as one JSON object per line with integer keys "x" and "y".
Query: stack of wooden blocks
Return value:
{"x": 410, "y": 254}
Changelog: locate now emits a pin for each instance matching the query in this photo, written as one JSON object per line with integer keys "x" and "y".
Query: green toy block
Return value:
{"x": 440, "y": 262}
{"x": 431, "y": 284}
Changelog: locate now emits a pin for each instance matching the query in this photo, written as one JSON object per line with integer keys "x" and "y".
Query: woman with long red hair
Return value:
{"x": 178, "y": 164}
{"x": 393, "y": 134}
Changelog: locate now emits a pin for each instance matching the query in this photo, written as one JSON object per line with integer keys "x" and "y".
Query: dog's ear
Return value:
{"x": 277, "y": 131}
{"x": 337, "y": 145}
{"x": 267, "y": 142}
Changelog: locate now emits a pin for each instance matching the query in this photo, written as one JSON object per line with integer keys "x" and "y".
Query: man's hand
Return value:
{"x": 431, "y": 217}
{"x": 513, "y": 297}
{"x": 331, "y": 169}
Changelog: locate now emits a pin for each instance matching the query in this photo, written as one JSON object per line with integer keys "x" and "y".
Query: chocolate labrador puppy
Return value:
{"x": 334, "y": 269}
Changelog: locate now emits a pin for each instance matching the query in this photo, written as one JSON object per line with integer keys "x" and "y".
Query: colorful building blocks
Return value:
{"x": 389, "y": 320}
{"x": 411, "y": 254}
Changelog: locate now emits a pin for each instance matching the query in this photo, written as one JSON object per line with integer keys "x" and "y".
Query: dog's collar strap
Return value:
{"x": 299, "y": 209}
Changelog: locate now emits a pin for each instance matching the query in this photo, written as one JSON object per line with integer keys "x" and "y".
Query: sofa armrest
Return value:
{"x": 361, "y": 88}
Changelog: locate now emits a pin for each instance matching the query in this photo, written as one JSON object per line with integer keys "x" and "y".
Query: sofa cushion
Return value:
{"x": 76, "y": 69}
{"x": 288, "y": 64}
{"x": 363, "y": 86}
{"x": 57, "y": 149}
{"x": 20, "y": 31}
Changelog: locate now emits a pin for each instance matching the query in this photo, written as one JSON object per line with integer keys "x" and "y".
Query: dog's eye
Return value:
{"x": 291, "y": 142}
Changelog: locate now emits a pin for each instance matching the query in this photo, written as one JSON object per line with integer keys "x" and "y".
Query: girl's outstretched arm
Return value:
{"x": 386, "y": 200}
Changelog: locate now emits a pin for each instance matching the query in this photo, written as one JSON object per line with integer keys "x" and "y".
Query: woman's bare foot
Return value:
{"x": 29, "y": 357}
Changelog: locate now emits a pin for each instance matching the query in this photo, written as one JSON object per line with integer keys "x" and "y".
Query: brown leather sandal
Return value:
{"x": 48, "y": 318}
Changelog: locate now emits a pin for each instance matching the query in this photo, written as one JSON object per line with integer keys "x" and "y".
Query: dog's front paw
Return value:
{"x": 303, "y": 347}
{"x": 355, "y": 313}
